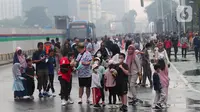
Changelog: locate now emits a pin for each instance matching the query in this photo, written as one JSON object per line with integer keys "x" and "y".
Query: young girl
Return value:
{"x": 101, "y": 71}
{"x": 164, "y": 78}
{"x": 18, "y": 87}
{"x": 110, "y": 82}
{"x": 96, "y": 86}
{"x": 66, "y": 74}
{"x": 30, "y": 72}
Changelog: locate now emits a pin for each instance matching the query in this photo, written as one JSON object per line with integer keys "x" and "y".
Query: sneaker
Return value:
{"x": 124, "y": 108}
{"x": 88, "y": 101}
{"x": 32, "y": 97}
{"x": 40, "y": 95}
{"x": 46, "y": 94}
{"x": 103, "y": 104}
{"x": 26, "y": 97}
{"x": 80, "y": 101}
{"x": 63, "y": 102}
{"x": 70, "y": 101}
{"x": 158, "y": 106}
{"x": 53, "y": 94}
{"x": 97, "y": 106}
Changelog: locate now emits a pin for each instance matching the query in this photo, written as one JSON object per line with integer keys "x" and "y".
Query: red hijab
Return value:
{"x": 131, "y": 55}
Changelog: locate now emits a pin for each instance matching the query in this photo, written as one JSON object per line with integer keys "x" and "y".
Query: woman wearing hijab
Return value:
{"x": 18, "y": 87}
{"x": 20, "y": 58}
{"x": 134, "y": 65}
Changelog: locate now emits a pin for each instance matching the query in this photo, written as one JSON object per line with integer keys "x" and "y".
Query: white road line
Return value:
{"x": 183, "y": 78}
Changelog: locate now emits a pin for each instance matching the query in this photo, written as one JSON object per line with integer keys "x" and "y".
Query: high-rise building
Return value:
{"x": 90, "y": 10}
{"x": 118, "y": 7}
{"x": 10, "y": 9}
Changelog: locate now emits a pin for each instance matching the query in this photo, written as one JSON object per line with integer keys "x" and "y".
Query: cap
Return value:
{"x": 80, "y": 46}
{"x": 97, "y": 58}
{"x": 94, "y": 66}
{"x": 64, "y": 61}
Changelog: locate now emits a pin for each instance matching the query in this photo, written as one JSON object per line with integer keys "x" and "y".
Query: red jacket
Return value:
{"x": 66, "y": 76}
{"x": 168, "y": 44}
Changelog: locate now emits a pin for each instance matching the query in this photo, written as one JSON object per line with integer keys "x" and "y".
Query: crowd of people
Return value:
{"x": 117, "y": 64}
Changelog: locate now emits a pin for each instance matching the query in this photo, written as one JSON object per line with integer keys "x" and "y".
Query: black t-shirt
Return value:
{"x": 30, "y": 71}
{"x": 37, "y": 55}
{"x": 121, "y": 76}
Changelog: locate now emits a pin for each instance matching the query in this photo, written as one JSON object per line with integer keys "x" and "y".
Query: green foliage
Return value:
{"x": 37, "y": 16}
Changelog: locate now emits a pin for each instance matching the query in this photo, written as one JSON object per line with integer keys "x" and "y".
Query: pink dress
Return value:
{"x": 164, "y": 79}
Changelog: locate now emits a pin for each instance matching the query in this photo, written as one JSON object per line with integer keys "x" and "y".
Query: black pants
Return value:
{"x": 50, "y": 84}
{"x": 64, "y": 89}
{"x": 25, "y": 84}
{"x": 147, "y": 74}
{"x": 60, "y": 79}
{"x": 197, "y": 53}
{"x": 184, "y": 52}
{"x": 169, "y": 53}
{"x": 175, "y": 52}
{"x": 70, "y": 86}
{"x": 112, "y": 94}
{"x": 102, "y": 94}
{"x": 30, "y": 87}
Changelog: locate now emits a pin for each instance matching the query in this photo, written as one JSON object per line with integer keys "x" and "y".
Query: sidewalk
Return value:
{"x": 5, "y": 62}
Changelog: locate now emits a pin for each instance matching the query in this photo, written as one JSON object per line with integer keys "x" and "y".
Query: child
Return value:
{"x": 96, "y": 86}
{"x": 101, "y": 71}
{"x": 160, "y": 95}
{"x": 18, "y": 87}
{"x": 30, "y": 73}
{"x": 65, "y": 73}
{"x": 122, "y": 81}
{"x": 51, "y": 62}
{"x": 164, "y": 78}
{"x": 110, "y": 82}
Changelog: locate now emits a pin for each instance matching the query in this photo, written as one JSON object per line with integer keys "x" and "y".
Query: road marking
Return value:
{"x": 184, "y": 79}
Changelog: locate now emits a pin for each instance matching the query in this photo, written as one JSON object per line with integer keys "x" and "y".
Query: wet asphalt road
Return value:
{"x": 181, "y": 98}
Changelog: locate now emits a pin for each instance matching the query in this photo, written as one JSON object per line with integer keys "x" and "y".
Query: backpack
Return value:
{"x": 47, "y": 47}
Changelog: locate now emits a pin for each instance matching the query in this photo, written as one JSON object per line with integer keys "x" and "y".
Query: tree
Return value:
{"x": 128, "y": 21}
{"x": 15, "y": 22}
{"x": 37, "y": 16}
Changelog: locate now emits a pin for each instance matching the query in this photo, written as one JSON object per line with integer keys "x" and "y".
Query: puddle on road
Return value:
{"x": 195, "y": 72}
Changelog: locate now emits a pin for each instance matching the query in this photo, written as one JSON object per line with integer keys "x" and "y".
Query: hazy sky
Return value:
{"x": 135, "y": 4}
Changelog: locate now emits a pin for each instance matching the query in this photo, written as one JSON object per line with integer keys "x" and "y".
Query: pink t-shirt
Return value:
{"x": 164, "y": 77}
{"x": 109, "y": 79}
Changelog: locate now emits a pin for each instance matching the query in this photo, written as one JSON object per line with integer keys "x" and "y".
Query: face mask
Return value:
{"x": 95, "y": 70}
{"x": 99, "y": 55}
{"x": 120, "y": 60}
{"x": 96, "y": 62}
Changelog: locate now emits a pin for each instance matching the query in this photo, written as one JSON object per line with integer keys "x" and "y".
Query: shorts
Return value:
{"x": 85, "y": 82}
{"x": 122, "y": 88}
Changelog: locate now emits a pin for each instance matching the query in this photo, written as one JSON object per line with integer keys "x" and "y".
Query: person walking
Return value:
{"x": 134, "y": 69}
{"x": 168, "y": 46}
{"x": 196, "y": 44}
{"x": 84, "y": 72}
{"x": 146, "y": 66}
{"x": 160, "y": 94}
{"x": 184, "y": 45}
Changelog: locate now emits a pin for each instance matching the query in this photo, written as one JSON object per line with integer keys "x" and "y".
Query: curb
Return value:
{"x": 6, "y": 63}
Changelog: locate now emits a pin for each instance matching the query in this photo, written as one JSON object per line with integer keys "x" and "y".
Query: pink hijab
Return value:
{"x": 131, "y": 55}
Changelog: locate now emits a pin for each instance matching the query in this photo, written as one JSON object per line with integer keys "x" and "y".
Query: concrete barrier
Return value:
{"x": 9, "y": 56}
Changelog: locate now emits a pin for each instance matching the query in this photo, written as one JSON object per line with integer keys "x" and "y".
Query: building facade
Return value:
{"x": 118, "y": 7}
{"x": 10, "y": 9}
{"x": 90, "y": 10}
